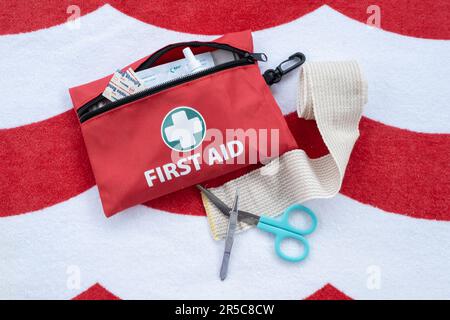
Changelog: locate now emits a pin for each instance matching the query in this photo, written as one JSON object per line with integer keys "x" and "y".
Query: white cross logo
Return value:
{"x": 183, "y": 129}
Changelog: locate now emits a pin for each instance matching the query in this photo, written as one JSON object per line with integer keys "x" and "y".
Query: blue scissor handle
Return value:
{"x": 284, "y": 221}
{"x": 283, "y": 230}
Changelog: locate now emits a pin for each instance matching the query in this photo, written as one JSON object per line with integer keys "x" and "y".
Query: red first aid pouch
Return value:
{"x": 184, "y": 131}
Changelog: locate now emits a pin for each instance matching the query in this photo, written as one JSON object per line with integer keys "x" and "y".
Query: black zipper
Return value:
{"x": 247, "y": 58}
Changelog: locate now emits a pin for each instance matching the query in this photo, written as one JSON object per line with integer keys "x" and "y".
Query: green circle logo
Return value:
{"x": 183, "y": 129}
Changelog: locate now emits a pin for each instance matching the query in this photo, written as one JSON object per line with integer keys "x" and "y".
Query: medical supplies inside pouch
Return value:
{"x": 214, "y": 116}
{"x": 172, "y": 70}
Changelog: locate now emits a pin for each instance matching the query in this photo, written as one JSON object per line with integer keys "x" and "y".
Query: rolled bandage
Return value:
{"x": 332, "y": 93}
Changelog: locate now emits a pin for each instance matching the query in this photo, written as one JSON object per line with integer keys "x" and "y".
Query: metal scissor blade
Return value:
{"x": 216, "y": 201}
{"x": 232, "y": 222}
{"x": 234, "y": 209}
{"x": 228, "y": 246}
{"x": 224, "y": 267}
{"x": 244, "y": 216}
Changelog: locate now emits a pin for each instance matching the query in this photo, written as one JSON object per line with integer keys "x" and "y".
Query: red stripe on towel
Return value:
{"x": 397, "y": 170}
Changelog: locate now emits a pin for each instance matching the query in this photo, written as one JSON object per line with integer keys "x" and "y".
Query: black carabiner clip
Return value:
{"x": 272, "y": 76}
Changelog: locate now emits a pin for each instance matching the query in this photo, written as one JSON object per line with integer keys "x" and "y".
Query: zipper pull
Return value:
{"x": 256, "y": 56}
{"x": 273, "y": 76}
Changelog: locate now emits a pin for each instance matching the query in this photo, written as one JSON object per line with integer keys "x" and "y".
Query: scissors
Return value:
{"x": 232, "y": 223}
{"x": 280, "y": 227}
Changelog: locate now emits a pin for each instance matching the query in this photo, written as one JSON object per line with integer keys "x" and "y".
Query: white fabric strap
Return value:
{"x": 332, "y": 93}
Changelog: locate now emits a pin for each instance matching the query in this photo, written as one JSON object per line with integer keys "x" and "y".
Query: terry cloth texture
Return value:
{"x": 332, "y": 93}
{"x": 393, "y": 209}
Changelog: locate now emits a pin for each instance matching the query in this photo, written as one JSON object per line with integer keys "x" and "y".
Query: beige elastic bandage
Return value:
{"x": 332, "y": 93}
